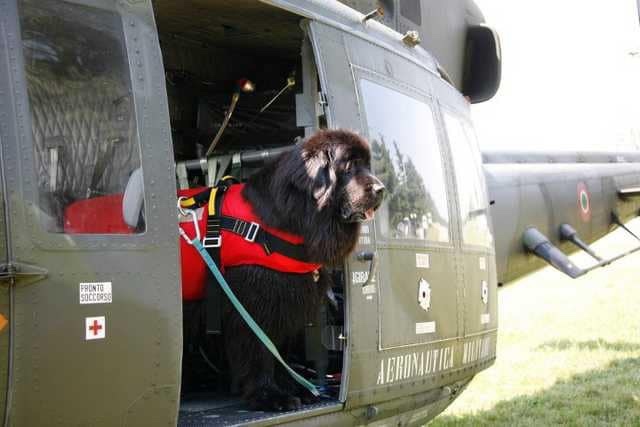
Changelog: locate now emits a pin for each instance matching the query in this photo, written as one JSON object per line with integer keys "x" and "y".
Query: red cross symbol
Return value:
{"x": 95, "y": 327}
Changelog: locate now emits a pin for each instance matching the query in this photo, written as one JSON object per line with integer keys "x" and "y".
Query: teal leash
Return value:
{"x": 247, "y": 318}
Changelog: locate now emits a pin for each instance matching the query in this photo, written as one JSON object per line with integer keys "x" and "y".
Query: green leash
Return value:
{"x": 247, "y": 318}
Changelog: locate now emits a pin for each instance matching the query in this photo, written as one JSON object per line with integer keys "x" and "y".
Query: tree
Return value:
{"x": 407, "y": 195}
{"x": 382, "y": 164}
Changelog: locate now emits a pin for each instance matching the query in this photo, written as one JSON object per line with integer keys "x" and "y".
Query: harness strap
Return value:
{"x": 249, "y": 320}
{"x": 252, "y": 232}
{"x": 196, "y": 200}
{"x": 212, "y": 241}
{"x": 206, "y": 197}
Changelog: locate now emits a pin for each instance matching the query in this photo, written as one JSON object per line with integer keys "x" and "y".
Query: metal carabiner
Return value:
{"x": 194, "y": 216}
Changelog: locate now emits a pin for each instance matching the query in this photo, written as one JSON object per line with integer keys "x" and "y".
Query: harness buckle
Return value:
{"x": 216, "y": 242}
{"x": 254, "y": 227}
{"x": 194, "y": 218}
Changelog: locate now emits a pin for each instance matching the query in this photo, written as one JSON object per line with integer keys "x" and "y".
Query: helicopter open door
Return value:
{"x": 340, "y": 104}
{"x": 90, "y": 193}
{"x": 384, "y": 91}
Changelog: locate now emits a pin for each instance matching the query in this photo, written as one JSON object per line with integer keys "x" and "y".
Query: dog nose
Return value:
{"x": 377, "y": 187}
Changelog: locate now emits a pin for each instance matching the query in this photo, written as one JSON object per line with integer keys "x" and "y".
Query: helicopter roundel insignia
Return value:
{"x": 584, "y": 202}
{"x": 424, "y": 294}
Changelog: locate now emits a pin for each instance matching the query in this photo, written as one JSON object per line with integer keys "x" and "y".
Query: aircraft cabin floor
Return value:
{"x": 204, "y": 409}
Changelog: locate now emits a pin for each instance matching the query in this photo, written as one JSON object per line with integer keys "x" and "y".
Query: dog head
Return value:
{"x": 337, "y": 169}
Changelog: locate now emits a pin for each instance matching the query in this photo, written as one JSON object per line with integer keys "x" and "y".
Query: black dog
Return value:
{"x": 321, "y": 190}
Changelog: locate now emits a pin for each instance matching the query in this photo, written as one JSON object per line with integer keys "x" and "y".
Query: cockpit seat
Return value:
{"x": 83, "y": 132}
{"x": 111, "y": 214}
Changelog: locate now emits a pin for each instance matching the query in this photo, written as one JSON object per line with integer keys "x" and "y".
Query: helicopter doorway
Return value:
{"x": 242, "y": 87}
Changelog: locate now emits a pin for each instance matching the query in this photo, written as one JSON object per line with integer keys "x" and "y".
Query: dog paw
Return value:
{"x": 291, "y": 403}
{"x": 308, "y": 398}
{"x": 274, "y": 402}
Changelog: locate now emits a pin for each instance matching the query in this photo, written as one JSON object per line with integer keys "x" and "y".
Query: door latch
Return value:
{"x": 365, "y": 256}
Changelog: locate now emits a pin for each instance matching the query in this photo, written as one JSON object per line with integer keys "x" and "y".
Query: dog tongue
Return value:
{"x": 369, "y": 214}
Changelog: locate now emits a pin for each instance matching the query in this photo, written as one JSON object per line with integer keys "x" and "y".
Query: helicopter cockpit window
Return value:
{"x": 86, "y": 148}
{"x": 470, "y": 181}
{"x": 406, "y": 157}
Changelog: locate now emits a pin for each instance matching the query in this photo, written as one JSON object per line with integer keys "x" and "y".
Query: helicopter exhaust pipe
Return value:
{"x": 540, "y": 245}
{"x": 568, "y": 233}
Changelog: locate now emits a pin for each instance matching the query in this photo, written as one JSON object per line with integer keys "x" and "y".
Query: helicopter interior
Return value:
{"x": 236, "y": 84}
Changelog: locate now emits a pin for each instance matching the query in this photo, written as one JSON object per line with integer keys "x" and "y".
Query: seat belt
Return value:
{"x": 103, "y": 159}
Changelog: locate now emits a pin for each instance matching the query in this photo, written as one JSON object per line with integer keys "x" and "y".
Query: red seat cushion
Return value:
{"x": 98, "y": 215}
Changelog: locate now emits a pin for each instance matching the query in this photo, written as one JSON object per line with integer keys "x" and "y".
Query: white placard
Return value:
{"x": 364, "y": 240}
{"x": 96, "y": 293}
{"x": 425, "y": 328}
{"x": 482, "y": 261}
{"x": 359, "y": 277}
{"x": 369, "y": 290}
{"x": 485, "y": 318}
{"x": 422, "y": 261}
{"x": 95, "y": 328}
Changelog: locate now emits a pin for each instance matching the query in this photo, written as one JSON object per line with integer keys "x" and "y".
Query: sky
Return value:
{"x": 570, "y": 76}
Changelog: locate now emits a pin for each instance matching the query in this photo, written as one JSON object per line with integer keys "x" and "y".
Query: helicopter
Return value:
{"x": 107, "y": 108}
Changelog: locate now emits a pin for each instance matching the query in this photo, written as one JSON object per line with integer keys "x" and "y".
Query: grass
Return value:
{"x": 568, "y": 350}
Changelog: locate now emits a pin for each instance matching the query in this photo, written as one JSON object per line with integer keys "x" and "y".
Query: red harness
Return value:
{"x": 245, "y": 239}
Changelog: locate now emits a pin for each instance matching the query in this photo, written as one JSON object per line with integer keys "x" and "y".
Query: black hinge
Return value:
{"x": 18, "y": 274}
{"x": 322, "y": 104}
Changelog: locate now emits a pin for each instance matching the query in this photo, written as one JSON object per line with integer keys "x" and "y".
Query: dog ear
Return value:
{"x": 326, "y": 180}
{"x": 324, "y": 171}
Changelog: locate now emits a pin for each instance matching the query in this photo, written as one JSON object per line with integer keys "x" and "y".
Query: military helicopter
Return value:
{"x": 108, "y": 107}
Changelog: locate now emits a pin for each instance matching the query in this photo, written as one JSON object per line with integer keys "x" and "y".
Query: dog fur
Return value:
{"x": 321, "y": 190}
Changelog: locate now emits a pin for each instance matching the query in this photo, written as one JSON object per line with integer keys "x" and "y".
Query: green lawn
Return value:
{"x": 568, "y": 350}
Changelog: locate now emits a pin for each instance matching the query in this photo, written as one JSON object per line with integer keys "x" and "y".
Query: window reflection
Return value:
{"x": 470, "y": 182}
{"x": 87, "y": 156}
{"x": 406, "y": 157}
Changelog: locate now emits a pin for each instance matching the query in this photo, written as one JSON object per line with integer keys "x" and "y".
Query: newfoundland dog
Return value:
{"x": 321, "y": 190}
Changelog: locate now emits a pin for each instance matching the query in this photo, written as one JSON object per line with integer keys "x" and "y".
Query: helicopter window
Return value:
{"x": 84, "y": 131}
{"x": 406, "y": 157}
{"x": 470, "y": 181}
